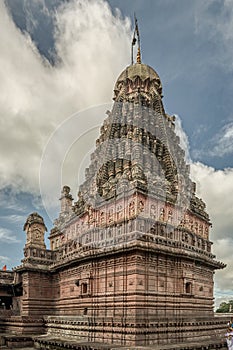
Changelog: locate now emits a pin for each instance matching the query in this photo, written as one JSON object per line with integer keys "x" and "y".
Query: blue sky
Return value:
{"x": 61, "y": 57}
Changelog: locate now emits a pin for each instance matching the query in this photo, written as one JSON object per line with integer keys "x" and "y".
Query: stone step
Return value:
{"x": 62, "y": 344}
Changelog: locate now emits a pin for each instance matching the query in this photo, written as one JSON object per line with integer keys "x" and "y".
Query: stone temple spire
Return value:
{"x": 131, "y": 260}
{"x": 133, "y": 251}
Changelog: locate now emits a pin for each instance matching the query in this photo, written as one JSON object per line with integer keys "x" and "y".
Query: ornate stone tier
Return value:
{"x": 38, "y": 256}
{"x": 126, "y": 142}
{"x": 70, "y": 252}
{"x": 137, "y": 149}
{"x": 11, "y": 341}
{"x": 6, "y": 277}
{"x": 115, "y": 223}
{"x": 22, "y": 325}
{"x": 94, "y": 332}
{"x": 91, "y": 278}
{"x": 139, "y": 83}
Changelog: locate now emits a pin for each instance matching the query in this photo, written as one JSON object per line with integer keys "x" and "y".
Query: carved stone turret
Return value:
{"x": 66, "y": 200}
{"x": 140, "y": 83}
{"x": 35, "y": 230}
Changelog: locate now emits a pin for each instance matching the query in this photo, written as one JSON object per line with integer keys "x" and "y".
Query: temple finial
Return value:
{"x": 134, "y": 40}
{"x": 139, "y": 56}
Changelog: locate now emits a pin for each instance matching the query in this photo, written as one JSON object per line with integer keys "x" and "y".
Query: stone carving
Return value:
{"x": 162, "y": 214}
{"x": 141, "y": 206}
{"x": 170, "y": 216}
{"x": 153, "y": 211}
{"x": 131, "y": 209}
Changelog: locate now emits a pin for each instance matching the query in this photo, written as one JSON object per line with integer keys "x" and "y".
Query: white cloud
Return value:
{"x": 220, "y": 145}
{"x": 223, "y": 142}
{"x": 215, "y": 187}
{"x": 35, "y": 96}
{"x": 224, "y": 297}
{"x": 13, "y": 218}
{"x": 7, "y": 236}
{"x": 10, "y": 202}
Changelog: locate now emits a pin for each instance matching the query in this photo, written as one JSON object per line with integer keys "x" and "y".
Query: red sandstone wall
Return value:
{"x": 134, "y": 285}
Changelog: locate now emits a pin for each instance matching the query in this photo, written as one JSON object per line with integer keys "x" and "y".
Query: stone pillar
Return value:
{"x": 37, "y": 292}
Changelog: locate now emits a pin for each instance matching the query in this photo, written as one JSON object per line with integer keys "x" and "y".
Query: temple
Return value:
{"x": 130, "y": 261}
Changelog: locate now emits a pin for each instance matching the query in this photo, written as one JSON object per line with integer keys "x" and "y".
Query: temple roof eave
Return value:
{"x": 96, "y": 253}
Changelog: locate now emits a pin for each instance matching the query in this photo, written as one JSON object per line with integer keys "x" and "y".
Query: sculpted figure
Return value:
{"x": 131, "y": 209}
{"x": 141, "y": 206}
{"x": 162, "y": 215}
{"x": 153, "y": 211}
{"x": 170, "y": 217}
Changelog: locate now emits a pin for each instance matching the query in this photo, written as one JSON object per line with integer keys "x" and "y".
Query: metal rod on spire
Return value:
{"x": 133, "y": 43}
{"x": 136, "y": 38}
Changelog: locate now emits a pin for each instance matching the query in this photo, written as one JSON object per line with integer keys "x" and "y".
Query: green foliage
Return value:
{"x": 225, "y": 307}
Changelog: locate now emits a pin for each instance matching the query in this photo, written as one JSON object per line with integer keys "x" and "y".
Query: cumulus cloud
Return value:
{"x": 220, "y": 145}
{"x": 11, "y": 202}
{"x": 13, "y": 218}
{"x": 36, "y": 96}
{"x": 215, "y": 187}
{"x": 223, "y": 141}
{"x": 7, "y": 236}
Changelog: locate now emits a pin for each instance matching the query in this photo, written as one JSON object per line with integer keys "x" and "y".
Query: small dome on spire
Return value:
{"x": 138, "y": 70}
{"x": 135, "y": 76}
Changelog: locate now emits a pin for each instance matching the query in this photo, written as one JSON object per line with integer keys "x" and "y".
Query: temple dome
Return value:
{"x": 143, "y": 71}
{"x": 137, "y": 77}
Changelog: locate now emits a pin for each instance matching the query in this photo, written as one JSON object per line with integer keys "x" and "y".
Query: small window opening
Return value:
{"x": 84, "y": 288}
{"x": 188, "y": 287}
{"x": 77, "y": 283}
